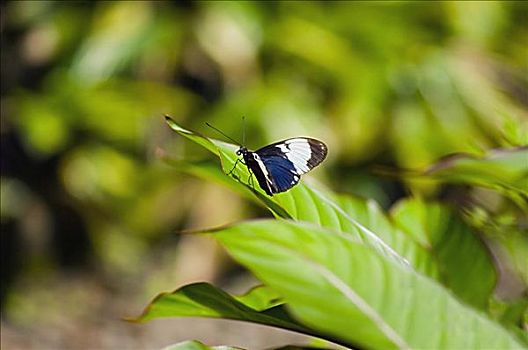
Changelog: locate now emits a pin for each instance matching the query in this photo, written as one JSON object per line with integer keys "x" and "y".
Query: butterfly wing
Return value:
{"x": 287, "y": 160}
{"x": 281, "y": 173}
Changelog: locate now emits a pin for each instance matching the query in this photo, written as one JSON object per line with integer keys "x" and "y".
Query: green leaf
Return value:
{"x": 338, "y": 285}
{"x": 369, "y": 214}
{"x": 205, "y": 300}
{"x": 504, "y": 170}
{"x": 199, "y": 139}
{"x": 464, "y": 263}
{"x": 308, "y": 204}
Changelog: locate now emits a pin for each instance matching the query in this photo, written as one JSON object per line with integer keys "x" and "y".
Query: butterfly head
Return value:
{"x": 242, "y": 151}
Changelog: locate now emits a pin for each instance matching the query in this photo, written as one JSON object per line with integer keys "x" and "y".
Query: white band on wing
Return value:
{"x": 263, "y": 169}
{"x": 298, "y": 151}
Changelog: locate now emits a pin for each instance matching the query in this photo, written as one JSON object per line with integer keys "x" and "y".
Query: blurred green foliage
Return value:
{"x": 85, "y": 86}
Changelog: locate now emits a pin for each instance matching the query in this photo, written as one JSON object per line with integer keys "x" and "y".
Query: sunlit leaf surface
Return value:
{"x": 339, "y": 285}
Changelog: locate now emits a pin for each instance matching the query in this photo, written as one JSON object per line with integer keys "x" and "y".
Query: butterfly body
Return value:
{"x": 279, "y": 166}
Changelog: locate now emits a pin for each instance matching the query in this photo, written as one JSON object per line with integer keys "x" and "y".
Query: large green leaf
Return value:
{"x": 305, "y": 203}
{"x": 337, "y": 284}
{"x": 369, "y": 214}
{"x": 464, "y": 263}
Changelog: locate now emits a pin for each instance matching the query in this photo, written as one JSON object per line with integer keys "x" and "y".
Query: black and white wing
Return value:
{"x": 287, "y": 160}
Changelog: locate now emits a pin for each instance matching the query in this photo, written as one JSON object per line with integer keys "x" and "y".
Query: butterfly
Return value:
{"x": 279, "y": 166}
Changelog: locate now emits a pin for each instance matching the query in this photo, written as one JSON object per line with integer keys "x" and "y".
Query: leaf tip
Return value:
{"x": 168, "y": 119}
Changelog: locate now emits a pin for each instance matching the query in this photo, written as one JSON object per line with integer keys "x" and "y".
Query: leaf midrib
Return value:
{"x": 367, "y": 310}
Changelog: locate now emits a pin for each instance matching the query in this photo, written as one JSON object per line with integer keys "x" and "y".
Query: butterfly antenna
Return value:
{"x": 243, "y": 131}
{"x": 212, "y": 127}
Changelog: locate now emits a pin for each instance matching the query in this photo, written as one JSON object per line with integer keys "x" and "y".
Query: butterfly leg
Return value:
{"x": 234, "y": 166}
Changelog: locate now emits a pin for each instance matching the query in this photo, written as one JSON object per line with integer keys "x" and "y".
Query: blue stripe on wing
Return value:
{"x": 282, "y": 172}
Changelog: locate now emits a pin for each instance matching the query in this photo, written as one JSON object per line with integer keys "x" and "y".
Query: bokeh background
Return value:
{"x": 90, "y": 209}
